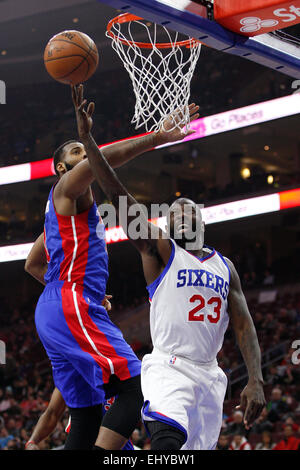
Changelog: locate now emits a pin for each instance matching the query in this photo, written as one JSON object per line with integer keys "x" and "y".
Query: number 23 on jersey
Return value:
{"x": 196, "y": 313}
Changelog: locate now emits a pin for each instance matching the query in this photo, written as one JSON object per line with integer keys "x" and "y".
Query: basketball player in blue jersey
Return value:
{"x": 90, "y": 359}
{"x": 194, "y": 291}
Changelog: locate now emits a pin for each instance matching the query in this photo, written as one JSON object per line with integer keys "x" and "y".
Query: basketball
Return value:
{"x": 71, "y": 57}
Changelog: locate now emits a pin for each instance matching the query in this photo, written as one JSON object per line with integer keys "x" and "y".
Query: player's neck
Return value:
{"x": 199, "y": 252}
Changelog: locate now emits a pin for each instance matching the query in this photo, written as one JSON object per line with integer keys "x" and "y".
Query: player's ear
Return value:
{"x": 61, "y": 167}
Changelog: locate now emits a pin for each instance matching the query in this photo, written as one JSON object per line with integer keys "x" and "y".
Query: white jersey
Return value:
{"x": 188, "y": 313}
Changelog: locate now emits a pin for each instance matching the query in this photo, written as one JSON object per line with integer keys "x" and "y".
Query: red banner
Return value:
{"x": 289, "y": 199}
{"x": 256, "y": 17}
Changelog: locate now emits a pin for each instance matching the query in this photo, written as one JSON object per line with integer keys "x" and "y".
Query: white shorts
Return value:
{"x": 186, "y": 395}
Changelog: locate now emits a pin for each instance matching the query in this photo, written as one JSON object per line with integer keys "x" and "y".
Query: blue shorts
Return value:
{"x": 84, "y": 346}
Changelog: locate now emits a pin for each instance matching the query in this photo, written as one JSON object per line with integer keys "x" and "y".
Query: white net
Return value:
{"x": 161, "y": 75}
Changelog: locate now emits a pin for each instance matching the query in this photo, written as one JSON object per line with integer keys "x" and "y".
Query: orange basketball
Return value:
{"x": 71, "y": 57}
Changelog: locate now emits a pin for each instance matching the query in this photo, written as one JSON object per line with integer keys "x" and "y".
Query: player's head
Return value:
{"x": 185, "y": 224}
{"x": 67, "y": 155}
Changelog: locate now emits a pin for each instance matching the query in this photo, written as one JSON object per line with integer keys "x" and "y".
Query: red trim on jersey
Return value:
{"x": 76, "y": 237}
{"x": 68, "y": 427}
{"x": 99, "y": 339}
{"x": 66, "y": 231}
{"x": 82, "y": 234}
{"x": 209, "y": 256}
{"x": 161, "y": 414}
{"x": 45, "y": 246}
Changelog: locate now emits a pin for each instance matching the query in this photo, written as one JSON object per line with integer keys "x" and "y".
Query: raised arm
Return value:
{"x": 154, "y": 247}
{"x": 252, "y": 397}
{"x": 76, "y": 182}
{"x": 36, "y": 262}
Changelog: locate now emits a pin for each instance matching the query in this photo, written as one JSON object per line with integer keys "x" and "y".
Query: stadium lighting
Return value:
{"x": 203, "y": 127}
{"x": 211, "y": 215}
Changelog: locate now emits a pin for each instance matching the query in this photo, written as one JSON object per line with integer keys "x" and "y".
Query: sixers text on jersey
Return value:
{"x": 202, "y": 278}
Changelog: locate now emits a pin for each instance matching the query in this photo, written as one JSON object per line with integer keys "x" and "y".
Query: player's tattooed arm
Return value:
{"x": 119, "y": 153}
{"x": 76, "y": 183}
{"x": 252, "y": 397}
{"x": 153, "y": 245}
{"x": 36, "y": 262}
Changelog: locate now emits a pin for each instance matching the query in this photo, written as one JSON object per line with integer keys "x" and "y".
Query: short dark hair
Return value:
{"x": 59, "y": 152}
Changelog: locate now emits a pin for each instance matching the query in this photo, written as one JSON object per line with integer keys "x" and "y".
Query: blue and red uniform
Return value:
{"x": 83, "y": 345}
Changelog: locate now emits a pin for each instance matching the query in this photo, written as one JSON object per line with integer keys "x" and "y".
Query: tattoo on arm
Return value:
{"x": 244, "y": 327}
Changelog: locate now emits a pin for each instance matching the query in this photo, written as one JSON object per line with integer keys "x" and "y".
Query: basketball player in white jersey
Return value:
{"x": 194, "y": 292}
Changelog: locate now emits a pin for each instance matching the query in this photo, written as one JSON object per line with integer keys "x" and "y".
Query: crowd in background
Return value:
{"x": 26, "y": 382}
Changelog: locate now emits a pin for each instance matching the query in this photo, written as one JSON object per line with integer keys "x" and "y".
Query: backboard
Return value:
{"x": 195, "y": 18}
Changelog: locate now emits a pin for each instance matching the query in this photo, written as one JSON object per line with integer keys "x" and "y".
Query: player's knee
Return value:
{"x": 125, "y": 413}
{"x": 131, "y": 392}
{"x": 165, "y": 437}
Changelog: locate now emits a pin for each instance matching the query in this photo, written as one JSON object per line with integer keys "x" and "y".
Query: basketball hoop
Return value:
{"x": 161, "y": 72}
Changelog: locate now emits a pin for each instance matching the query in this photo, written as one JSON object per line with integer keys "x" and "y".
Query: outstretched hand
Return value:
{"x": 253, "y": 402}
{"x": 83, "y": 116}
{"x": 167, "y": 135}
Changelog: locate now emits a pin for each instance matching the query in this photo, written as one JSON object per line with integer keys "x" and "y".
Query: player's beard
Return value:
{"x": 191, "y": 244}
{"x": 191, "y": 240}
{"x": 69, "y": 166}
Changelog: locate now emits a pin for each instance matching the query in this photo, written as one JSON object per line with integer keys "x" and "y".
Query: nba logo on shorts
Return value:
{"x": 172, "y": 360}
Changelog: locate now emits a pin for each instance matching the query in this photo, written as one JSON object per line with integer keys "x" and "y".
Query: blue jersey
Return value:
{"x": 76, "y": 249}
{"x": 84, "y": 346}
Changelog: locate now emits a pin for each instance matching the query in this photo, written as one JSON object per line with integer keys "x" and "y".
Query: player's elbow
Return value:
{"x": 32, "y": 267}
{"x": 28, "y": 266}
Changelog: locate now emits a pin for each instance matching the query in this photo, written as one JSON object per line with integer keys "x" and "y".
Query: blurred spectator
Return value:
{"x": 236, "y": 425}
{"x": 268, "y": 278}
{"x": 273, "y": 377}
{"x": 13, "y": 444}
{"x": 239, "y": 442}
{"x": 289, "y": 372}
{"x": 5, "y": 437}
{"x": 277, "y": 405}
{"x": 11, "y": 427}
{"x": 266, "y": 442}
{"x": 290, "y": 420}
{"x": 262, "y": 424}
{"x": 223, "y": 442}
{"x": 290, "y": 442}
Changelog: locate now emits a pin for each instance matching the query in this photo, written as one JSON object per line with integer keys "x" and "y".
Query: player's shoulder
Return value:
{"x": 233, "y": 274}
{"x": 228, "y": 263}
{"x": 234, "y": 278}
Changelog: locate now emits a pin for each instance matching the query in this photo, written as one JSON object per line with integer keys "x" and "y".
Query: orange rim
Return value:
{"x": 126, "y": 18}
